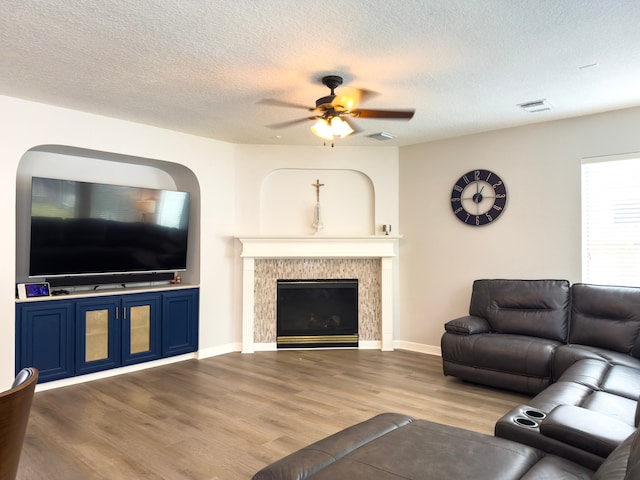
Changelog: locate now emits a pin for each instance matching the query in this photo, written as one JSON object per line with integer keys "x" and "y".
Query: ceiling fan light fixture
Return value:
{"x": 340, "y": 127}
{"x": 331, "y": 110}
{"x": 322, "y": 129}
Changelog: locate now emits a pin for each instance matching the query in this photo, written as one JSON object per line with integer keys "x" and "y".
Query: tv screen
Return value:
{"x": 82, "y": 228}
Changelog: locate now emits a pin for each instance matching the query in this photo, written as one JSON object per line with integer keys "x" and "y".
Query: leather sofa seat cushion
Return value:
{"x": 401, "y": 447}
{"x": 623, "y": 381}
{"x": 538, "y": 308}
{"x": 606, "y": 317}
{"x": 560, "y": 393}
{"x": 566, "y": 355}
{"x": 602, "y": 376}
{"x": 501, "y": 353}
{"x": 623, "y": 409}
{"x": 570, "y": 393}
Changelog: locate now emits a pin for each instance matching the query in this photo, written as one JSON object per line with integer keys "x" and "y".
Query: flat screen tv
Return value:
{"x": 83, "y": 228}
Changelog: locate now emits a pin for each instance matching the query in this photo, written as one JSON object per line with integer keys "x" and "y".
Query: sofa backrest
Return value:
{"x": 538, "y": 308}
{"x": 606, "y": 316}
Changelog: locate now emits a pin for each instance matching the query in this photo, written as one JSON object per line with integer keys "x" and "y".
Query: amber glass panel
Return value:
{"x": 140, "y": 329}
{"x": 97, "y": 335}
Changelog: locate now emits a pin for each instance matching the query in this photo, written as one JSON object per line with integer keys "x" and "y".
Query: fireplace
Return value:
{"x": 265, "y": 259}
{"x": 317, "y": 313}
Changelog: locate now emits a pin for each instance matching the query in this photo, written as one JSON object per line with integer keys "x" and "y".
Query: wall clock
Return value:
{"x": 479, "y": 197}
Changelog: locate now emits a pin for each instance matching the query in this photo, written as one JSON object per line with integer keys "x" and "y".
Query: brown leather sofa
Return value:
{"x": 523, "y": 335}
{"x": 587, "y": 386}
{"x": 393, "y": 446}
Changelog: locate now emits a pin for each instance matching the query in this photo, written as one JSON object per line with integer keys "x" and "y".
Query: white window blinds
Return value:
{"x": 611, "y": 220}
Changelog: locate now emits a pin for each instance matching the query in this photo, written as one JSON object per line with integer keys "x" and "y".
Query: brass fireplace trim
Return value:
{"x": 315, "y": 339}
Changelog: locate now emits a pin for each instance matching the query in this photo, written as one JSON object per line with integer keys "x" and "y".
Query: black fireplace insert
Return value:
{"x": 317, "y": 313}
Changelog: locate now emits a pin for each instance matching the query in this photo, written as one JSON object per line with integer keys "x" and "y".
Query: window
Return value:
{"x": 611, "y": 220}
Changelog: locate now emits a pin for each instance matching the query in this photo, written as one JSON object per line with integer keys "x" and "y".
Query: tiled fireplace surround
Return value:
{"x": 367, "y": 258}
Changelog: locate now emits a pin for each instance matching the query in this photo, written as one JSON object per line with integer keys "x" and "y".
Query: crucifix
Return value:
{"x": 317, "y": 185}
{"x": 317, "y": 219}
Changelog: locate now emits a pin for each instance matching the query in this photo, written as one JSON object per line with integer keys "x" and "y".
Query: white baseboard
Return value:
{"x": 362, "y": 345}
{"x": 265, "y": 347}
{"x": 417, "y": 347}
{"x": 41, "y": 387}
{"x": 219, "y": 350}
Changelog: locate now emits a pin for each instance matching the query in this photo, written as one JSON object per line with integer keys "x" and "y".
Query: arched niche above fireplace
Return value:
{"x": 288, "y": 200}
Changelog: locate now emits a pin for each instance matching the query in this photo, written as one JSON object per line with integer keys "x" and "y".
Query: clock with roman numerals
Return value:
{"x": 478, "y": 198}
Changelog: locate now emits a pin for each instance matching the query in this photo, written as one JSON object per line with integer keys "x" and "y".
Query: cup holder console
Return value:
{"x": 529, "y": 418}
{"x": 525, "y": 422}
{"x": 534, "y": 414}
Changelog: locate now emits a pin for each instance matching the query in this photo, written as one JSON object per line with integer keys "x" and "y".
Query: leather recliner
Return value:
{"x": 510, "y": 334}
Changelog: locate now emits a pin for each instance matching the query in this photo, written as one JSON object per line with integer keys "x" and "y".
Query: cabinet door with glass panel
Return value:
{"x": 98, "y": 334}
{"x": 140, "y": 320}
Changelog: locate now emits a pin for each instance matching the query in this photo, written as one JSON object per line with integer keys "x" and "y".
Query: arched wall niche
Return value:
{"x": 288, "y": 200}
{"x": 73, "y": 163}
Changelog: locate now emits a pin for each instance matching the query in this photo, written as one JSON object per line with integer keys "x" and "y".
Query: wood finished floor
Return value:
{"x": 225, "y": 417}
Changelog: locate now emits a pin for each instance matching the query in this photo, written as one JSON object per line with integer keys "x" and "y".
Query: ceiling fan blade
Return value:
{"x": 280, "y": 103}
{"x": 350, "y": 97}
{"x": 347, "y": 99}
{"x": 290, "y": 123}
{"x": 393, "y": 114}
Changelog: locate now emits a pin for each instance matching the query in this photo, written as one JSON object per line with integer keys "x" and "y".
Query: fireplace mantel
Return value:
{"x": 318, "y": 246}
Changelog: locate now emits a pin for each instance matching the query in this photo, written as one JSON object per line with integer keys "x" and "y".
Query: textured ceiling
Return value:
{"x": 202, "y": 66}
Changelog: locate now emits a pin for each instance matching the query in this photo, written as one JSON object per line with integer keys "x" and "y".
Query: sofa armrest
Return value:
{"x": 585, "y": 429}
{"x": 468, "y": 325}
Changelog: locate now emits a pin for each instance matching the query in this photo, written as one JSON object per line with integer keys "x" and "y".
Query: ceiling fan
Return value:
{"x": 331, "y": 111}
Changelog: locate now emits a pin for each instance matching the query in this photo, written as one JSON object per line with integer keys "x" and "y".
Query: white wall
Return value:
{"x": 25, "y": 125}
{"x": 255, "y": 164}
{"x": 288, "y": 202}
{"x": 538, "y": 235}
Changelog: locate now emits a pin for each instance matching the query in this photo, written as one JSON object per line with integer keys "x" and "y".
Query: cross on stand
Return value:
{"x": 317, "y": 185}
{"x": 317, "y": 216}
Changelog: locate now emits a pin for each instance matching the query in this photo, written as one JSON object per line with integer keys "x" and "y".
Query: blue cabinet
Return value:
{"x": 44, "y": 338}
{"x": 97, "y": 334}
{"x": 179, "y": 330}
{"x": 140, "y": 328}
{"x": 67, "y": 337}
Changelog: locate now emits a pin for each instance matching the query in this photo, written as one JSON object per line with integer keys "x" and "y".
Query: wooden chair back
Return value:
{"x": 15, "y": 405}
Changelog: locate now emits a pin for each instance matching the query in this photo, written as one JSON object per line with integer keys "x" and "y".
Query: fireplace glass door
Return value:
{"x": 317, "y": 313}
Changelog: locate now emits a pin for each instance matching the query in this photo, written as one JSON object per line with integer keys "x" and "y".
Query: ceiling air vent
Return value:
{"x": 536, "y": 106}
{"x": 382, "y": 136}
